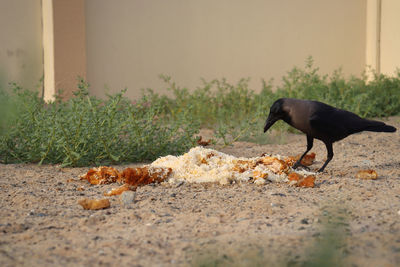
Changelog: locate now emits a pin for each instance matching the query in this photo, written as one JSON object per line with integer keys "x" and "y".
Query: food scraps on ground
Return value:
{"x": 208, "y": 165}
{"x": 202, "y": 142}
{"x": 300, "y": 180}
{"x": 367, "y": 174}
{"x": 144, "y": 175}
{"x": 94, "y": 204}
{"x": 131, "y": 178}
{"x": 101, "y": 175}
{"x": 307, "y": 160}
{"x": 118, "y": 190}
{"x": 201, "y": 165}
{"x": 275, "y": 165}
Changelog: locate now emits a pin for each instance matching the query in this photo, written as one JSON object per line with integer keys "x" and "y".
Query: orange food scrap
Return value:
{"x": 243, "y": 165}
{"x": 94, "y": 204}
{"x": 144, "y": 175}
{"x": 367, "y": 174}
{"x": 293, "y": 176}
{"x": 274, "y": 164}
{"x": 309, "y": 181}
{"x": 101, "y": 175}
{"x": 290, "y": 161}
{"x": 202, "y": 142}
{"x": 247, "y": 163}
{"x": 307, "y": 160}
{"x": 301, "y": 181}
{"x": 80, "y": 188}
{"x": 239, "y": 169}
{"x": 208, "y": 156}
{"x": 258, "y": 174}
{"x": 130, "y": 176}
{"x": 118, "y": 190}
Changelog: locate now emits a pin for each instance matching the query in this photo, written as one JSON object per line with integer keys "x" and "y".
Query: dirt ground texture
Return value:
{"x": 240, "y": 224}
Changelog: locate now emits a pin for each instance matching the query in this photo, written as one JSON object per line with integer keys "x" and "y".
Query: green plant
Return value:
{"x": 235, "y": 112}
{"x": 88, "y": 131}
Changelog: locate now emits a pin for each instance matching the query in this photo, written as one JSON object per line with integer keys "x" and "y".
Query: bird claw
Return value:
{"x": 298, "y": 164}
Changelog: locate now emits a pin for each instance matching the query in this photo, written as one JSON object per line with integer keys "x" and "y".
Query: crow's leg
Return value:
{"x": 310, "y": 142}
{"x": 329, "y": 157}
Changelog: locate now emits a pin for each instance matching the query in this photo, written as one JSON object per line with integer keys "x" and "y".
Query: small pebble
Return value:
{"x": 304, "y": 221}
{"x": 179, "y": 184}
{"x": 127, "y": 199}
{"x": 31, "y": 213}
{"x": 276, "y": 205}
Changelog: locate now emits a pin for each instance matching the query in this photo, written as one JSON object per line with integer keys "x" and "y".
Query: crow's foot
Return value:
{"x": 298, "y": 164}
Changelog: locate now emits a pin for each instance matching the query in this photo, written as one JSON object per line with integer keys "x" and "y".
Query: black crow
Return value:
{"x": 321, "y": 121}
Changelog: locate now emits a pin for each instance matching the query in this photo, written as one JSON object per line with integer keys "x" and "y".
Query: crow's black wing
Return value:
{"x": 333, "y": 124}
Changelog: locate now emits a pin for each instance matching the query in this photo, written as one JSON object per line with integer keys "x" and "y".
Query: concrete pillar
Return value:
{"x": 64, "y": 45}
{"x": 373, "y": 33}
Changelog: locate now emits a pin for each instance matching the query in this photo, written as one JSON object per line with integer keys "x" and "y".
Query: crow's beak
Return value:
{"x": 270, "y": 121}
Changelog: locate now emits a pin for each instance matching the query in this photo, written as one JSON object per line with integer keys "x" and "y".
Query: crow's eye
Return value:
{"x": 275, "y": 109}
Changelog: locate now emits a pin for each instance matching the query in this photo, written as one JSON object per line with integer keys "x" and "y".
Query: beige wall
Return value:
{"x": 69, "y": 44}
{"x": 390, "y": 36}
{"x": 21, "y": 55}
{"x": 131, "y": 42}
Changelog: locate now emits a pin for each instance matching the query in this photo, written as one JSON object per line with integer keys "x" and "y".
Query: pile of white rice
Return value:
{"x": 201, "y": 165}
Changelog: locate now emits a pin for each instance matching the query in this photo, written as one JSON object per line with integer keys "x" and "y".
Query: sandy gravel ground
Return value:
{"x": 41, "y": 223}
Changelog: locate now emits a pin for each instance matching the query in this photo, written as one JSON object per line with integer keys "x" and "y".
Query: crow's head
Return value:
{"x": 275, "y": 113}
